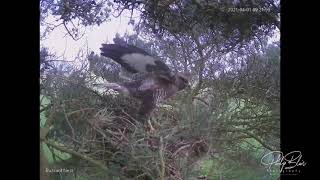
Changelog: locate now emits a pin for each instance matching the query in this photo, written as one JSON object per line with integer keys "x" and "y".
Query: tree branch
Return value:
{"x": 162, "y": 163}
{"x": 84, "y": 157}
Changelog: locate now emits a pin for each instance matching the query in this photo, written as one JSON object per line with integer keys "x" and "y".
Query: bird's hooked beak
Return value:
{"x": 183, "y": 81}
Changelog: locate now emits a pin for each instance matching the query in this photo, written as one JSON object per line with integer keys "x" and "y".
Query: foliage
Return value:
{"x": 240, "y": 115}
{"x": 219, "y": 128}
{"x": 74, "y": 14}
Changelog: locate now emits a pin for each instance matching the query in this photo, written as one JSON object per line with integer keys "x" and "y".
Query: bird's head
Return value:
{"x": 182, "y": 81}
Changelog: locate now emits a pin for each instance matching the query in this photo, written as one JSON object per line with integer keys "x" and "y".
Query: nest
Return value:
{"x": 113, "y": 135}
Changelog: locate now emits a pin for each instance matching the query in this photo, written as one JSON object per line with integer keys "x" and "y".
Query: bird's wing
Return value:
{"x": 126, "y": 75}
{"x": 135, "y": 60}
{"x": 149, "y": 84}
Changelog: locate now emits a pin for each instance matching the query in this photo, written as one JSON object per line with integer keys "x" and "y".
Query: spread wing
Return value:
{"x": 151, "y": 90}
{"x": 135, "y": 60}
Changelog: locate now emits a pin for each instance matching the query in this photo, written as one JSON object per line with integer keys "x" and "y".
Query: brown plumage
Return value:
{"x": 155, "y": 81}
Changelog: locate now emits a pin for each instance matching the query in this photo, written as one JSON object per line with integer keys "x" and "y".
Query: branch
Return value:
{"x": 254, "y": 137}
{"x": 200, "y": 99}
{"x": 65, "y": 26}
{"x": 260, "y": 141}
{"x": 67, "y": 120}
{"x": 201, "y": 66}
{"x": 73, "y": 37}
{"x": 84, "y": 157}
{"x": 163, "y": 166}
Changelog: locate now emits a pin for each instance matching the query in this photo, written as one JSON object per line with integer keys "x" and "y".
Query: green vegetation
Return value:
{"x": 218, "y": 129}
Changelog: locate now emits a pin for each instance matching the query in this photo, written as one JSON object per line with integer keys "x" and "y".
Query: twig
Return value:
{"x": 162, "y": 163}
{"x": 65, "y": 26}
{"x": 80, "y": 110}
{"x": 68, "y": 122}
{"x": 182, "y": 147}
{"x": 260, "y": 141}
{"x": 129, "y": 116}
{"x": 79, "y": 155}
{"x": 200, "y": 99}
{"x": 143, "y": 174}
{"x": 126, "y": 120}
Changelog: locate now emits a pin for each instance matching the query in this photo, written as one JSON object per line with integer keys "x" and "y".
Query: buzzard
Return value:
{"x": 152, "y": 80}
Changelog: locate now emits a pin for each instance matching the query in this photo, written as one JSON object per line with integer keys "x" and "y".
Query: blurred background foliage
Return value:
{"x": 219, "y": 129}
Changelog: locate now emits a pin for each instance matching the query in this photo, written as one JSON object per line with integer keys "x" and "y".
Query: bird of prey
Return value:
{"x": 153, "y": 80}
